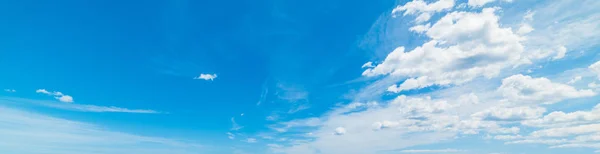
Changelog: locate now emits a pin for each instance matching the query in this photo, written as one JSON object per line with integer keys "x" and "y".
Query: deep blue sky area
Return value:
{"x": 139, "y": 54}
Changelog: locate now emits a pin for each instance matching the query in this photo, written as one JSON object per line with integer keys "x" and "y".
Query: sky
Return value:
{"x": 300, "y": 77}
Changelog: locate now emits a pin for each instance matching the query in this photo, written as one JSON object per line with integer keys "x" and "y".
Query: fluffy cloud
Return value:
{"x": 210, "y": 77}
{"x": 464, "y": 45}
{"x": 525, "y": 89}
{"x": 510, "y": 113}
{"x": 559, "y": 118}
{"x": 57, "y": 94}
{"x": 567, "y": 131}
{"x": 422, "y": 10}
{"x": 340, "y": 131}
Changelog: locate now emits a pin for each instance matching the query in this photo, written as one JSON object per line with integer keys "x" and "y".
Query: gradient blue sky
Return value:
{"x": 332, "y": 76}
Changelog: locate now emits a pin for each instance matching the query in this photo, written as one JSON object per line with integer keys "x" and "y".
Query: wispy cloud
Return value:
{"x": 210, "y": 77}
{"x": 57, "y": 95}
{"x": 56, "y": 135}
{"x": 234, "y": 125}
{"x": 10, "y": 90}
{"x": 432, "y": 151}
{"x": 76, "y": 107}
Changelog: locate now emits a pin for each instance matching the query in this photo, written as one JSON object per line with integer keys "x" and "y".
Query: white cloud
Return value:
{"x": 57, "y": 95}
{"x": 210, "y": 77}
{"x": 367, "y": 65}
{"x": 420, "y": 28}
{"x": 76, "y": 107}
{"x": 250, "y": 140}
{"x": 423, "y": 10}
{"x": 595, "y": 67}
{"x": 56, "y": 135}
{"x": 559, "y": 118}
{"x": 510, "y": 113}
{"x": 464, "y": 46}
{"x": 567, "y": 131}
{"x": 524, "y": 29}
{"x": 575, "y": 79}
{"x": 480, "y": 3}
{"x": 234, "y": 125}
{"x": 340, "y": 131}
{"x": 230, "y": 135}
{"x": 432, "y": 151}
{"x": 43, "y": 91}
{"x": 10, "y": 90}
{"x": 525, "y": 89}
{"x": 65, "y": 98}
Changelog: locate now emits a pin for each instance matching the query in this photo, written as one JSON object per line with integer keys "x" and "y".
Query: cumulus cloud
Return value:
{"x": 526, "y": 89}
{"x": 510, "y": 113}
{"x": 463, "y": 46}
{"x": 210, "y": 77}
{"x": 561, "y": 119}
{"x": 57, "y": 95}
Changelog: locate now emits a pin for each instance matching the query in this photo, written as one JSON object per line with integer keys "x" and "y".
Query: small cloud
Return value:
{"x": 242, "y": 114}
{"x": 10, "y": 90}
{"x": 43, "y": 91}
{"x": 65, "y": 98}
{"x": 57, "y": 95}
{"x": 250, "y": 140}
{"x": 234, "y": 125}
{"x": 230, "y": 135}
{"x": 340, "y": 131}
{"x": 368, "y": 65}
{"x": 210, "y": 77}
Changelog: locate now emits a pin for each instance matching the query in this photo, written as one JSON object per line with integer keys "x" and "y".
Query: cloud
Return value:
{"x": 510, "y": 113}
{"x": 56, "y": 135}
{"x": 423, "y": 10}
{"x": 463, "y": 46}
{"x": 210, "y": 77}
{"x": 595, "y": 67}
{"x": 10, "y": 90}
{"x": 250, "y": 140}
{"x": 76, "y": 107}
{"x": 567, "y": 131}
{"x": 559, "y": 118}
{"x": 525, "y": 89}
{"x": 340, "y": 131}
{"x": 57, "y": 94}
{"x": 230, "y": 135}
{"x": 234, "y": 125}
{"x": 480, "y": 3}
{"x": 575, "y": 79}
{"x": 432, "y": 151}
{"x": 367, "y": 65}
{"x": 65, "y": 98}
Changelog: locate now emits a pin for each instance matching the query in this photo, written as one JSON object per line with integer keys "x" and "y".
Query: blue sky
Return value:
{"x": 433, "y": 76}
